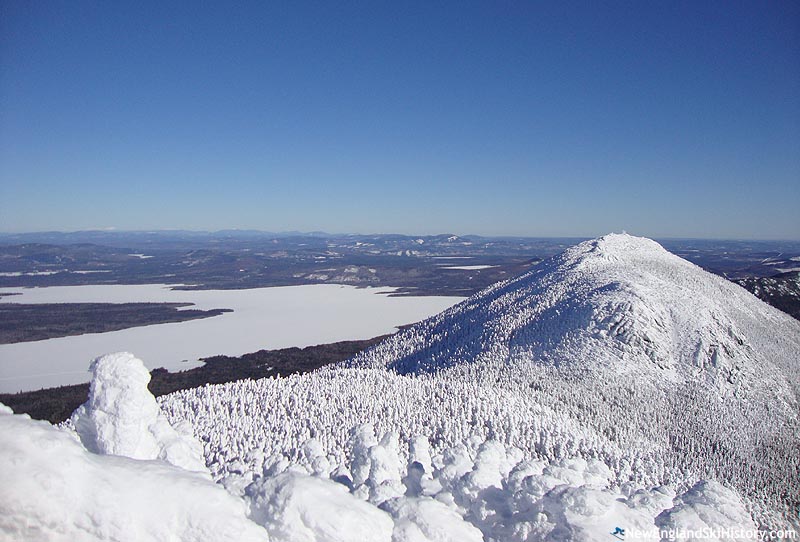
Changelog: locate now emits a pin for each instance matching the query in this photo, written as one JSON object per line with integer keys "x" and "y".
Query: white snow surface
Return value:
{"x": 707, "y": 506}
{"x": 468, "y": 267}
{"x": 53, "y": 489}
{"x": 302, "y": 508}
{"x": 613, "y": 386}
{"x": 270, "y": 318}
{"x": 122, "y": 417}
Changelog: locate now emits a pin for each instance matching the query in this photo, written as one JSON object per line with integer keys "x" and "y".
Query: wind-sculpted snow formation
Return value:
{"x": 613, "y": 387}
{"x": 122, "y": 417}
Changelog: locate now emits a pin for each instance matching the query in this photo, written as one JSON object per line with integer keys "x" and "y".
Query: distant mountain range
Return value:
{"x": 445, "y": 264}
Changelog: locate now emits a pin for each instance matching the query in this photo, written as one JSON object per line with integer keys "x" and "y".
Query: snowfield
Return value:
{"x": 262, "y": 318}
{"x": 468, "y": 267}
{"x": 613, "y": 387}
{"x": 126, "y": 483}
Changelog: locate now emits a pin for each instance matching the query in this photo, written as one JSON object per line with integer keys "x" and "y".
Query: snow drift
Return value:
{"x": 302, "y": 508}
{"x": 55, "y": 490}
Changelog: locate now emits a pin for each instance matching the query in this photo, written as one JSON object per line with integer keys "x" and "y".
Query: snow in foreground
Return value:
{"x": 118, "y": 477}
{"x": 55, "y": 489}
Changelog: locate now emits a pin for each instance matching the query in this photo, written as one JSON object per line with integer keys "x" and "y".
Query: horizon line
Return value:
{"x": 114, "y": 231}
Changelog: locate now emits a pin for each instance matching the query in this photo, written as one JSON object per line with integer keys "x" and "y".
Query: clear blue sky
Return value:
{"x": 548, "y": 118}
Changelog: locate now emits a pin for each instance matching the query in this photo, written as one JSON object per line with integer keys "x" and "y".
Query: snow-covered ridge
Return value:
{"x": 621, "y": 303}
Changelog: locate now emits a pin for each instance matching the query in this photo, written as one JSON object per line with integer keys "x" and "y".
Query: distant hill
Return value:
{"x": 781, "y": 291}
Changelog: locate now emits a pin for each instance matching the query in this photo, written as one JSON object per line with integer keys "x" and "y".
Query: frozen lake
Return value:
{"x": 262, "y": 318}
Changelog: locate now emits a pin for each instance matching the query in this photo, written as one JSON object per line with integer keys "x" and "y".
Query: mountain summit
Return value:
{"x": 642, "y": 347}
{"x": 618, "y": 304}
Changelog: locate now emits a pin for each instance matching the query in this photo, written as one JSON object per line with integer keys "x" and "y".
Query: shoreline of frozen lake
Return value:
{"x": 262, "y": 318}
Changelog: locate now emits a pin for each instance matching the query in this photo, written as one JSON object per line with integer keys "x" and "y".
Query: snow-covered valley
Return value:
{"x": 613, "y": 387}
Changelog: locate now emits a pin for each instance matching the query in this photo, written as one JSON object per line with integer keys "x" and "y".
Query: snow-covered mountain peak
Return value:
{"x": 618, "y": 303}
{"x": 618, "y": 246}
{"x": 614, "y": 349}
{"x": 625, "y": 252}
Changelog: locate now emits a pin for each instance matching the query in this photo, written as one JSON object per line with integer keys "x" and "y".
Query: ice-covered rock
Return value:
{"x": 122, "y": 417}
